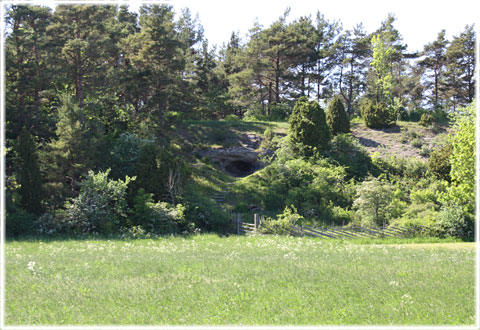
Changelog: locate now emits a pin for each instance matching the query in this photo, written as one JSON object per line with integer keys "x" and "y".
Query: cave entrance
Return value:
{"x": 240, "y": 168}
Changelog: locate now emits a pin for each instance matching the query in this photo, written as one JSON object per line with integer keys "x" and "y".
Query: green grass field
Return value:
{"x": 262, "y": 280}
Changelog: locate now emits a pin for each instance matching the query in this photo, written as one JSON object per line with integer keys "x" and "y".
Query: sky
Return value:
{"x": 418, "y": 21}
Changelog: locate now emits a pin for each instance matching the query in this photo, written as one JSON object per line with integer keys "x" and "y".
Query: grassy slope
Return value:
{"x": 238, "y": 280}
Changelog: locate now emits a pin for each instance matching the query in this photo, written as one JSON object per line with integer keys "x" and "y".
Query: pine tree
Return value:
{"x": 337, "y": 118}
{"x": 28, "y": 173}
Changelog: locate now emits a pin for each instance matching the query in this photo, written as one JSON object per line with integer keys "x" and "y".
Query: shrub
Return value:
{"x": 427, "y": 120}
{"x": 452, "y": 221}
{"x": 207, "y": 215}
{"x": 18, "y": 222}
{"x": 348, "y": 152}
{"x": 100, "y": 207}
{"x": 308, "y": 126}
{"x": 373, "y": 199}
{"x": 416, "y": 143}
{"x": 439, "y": 162}
{"x": 231, "y": 117}
{"x": 282, "y": 224}
{"x": 425, "y": 151}
{"x": 377, "y": 115}
{"x": 337, "y": 118}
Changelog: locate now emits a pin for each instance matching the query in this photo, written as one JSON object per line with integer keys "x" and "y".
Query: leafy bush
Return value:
{"x": 439, "y": 162}
{"x": 427, "y": 120}
{"x": 372, "y": 201}
{"x": 159, "y": 218}
{"x": 452, "y": 221}
{"x": 232, "y": 118}
{"x": 282, "y": 224}
{"x": 337, "y": 118}
{"x": 207, "y": 215}
{"x": 462, "y": 190}
{"x": 100, "y": 207}
{"x": 51, "y": 223}
{"x": 377, "y": 115}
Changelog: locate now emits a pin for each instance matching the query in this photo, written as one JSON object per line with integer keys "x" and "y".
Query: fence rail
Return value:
{"x": 351, "y": 232}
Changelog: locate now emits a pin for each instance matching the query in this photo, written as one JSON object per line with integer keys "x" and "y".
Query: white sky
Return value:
{"x": 418, "y": 21}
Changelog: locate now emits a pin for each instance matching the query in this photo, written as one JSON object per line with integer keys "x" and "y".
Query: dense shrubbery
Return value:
{"x": 282, "y": 224}
{"x": 348, "y": 152}
{"x": 100, "y": 207}
{"x": 427, "y": 120}
{"x": 377, "y": 114}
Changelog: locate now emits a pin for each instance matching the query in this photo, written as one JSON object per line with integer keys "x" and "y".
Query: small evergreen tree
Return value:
{"x": 308, "y": 125}
{"x": 28, "y": 173}
{"x": 337, "y": 118}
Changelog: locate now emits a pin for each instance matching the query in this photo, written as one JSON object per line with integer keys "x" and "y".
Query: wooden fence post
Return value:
{"x": 239, "y": 222}
{"x": 256, "y": 220}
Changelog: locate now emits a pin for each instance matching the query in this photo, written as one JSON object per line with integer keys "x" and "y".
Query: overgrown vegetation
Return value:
{"x": 111, "y": 123}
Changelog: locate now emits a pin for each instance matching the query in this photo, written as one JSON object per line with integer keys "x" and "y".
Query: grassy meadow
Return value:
{"x": 261, "y": 280}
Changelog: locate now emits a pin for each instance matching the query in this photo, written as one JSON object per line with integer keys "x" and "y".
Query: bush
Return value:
{"x": 100, "y": 207}
{"x": 371, "y": 204}
{"x": 207, "y": 215}
{"x": 377, "y": 115}
{"x": 231, "y": 117}
{"x": 416, "y": 143}
{"x": 452, "y": 221}
{"x": 18, "y": 222}
{"x": 308, "y": 126}
{"x": 282, "y": 224}
{"x": 427, "y": 120}
{"x": 337, "y": 118}
{"x": 348, "y": 152}
{"x": 439, "y": 162}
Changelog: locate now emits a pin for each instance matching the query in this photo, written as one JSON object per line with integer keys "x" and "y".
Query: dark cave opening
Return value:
{"x": 239, "y": 168}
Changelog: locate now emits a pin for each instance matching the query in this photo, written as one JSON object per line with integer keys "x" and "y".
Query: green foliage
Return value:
{"x": 439, "y": 162}
{"x": 207, "y": 215}
{"x": 28, "y": 173}
{"x": 314, "y": 188}
{"x": 427, "y": 120}
{"x": 79, "y": 146}
{"x": 377, "y": 114}
{"x": 100, "y": 207}
{"x": 453, "y": 222}
{"x": 400, "y": 167}
{"x": 337, "y": 118}
{"x": 282, "y": 224}
{"x": 372, "y": 202}
{"x": 462, "y": 160}
{"x": 159, "y": 218}
{"x": 308, "y": 126}
{"x": 348, "y": 152}
{"x": 18, "y": 222}
{"x": 125, "y": 152}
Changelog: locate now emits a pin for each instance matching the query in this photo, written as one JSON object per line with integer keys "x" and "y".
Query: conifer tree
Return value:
{"x": 337, "y": 118}
{"x": 308, "y": 126}
{"x": 28, "y": 173}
